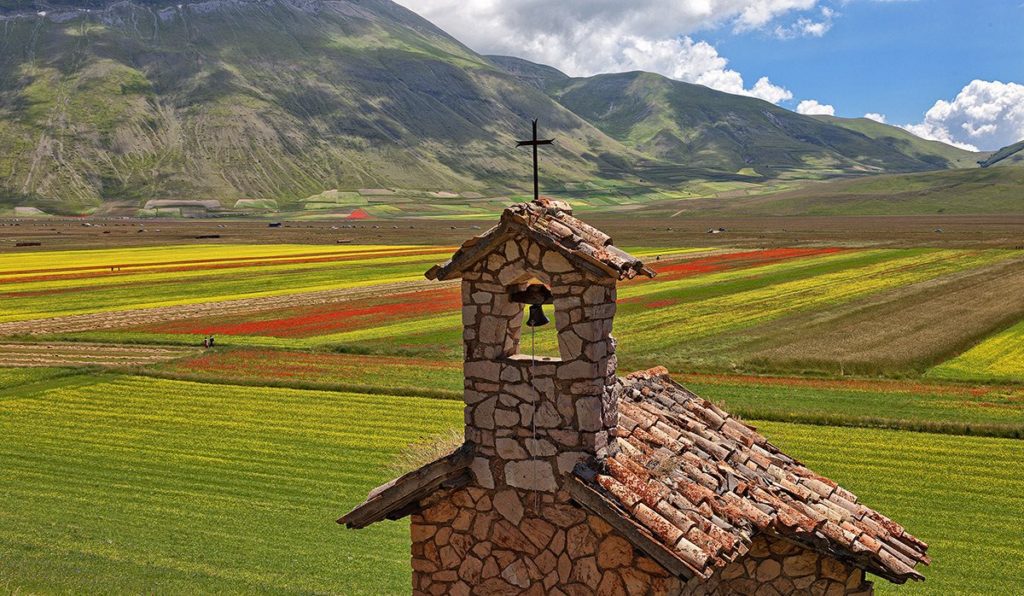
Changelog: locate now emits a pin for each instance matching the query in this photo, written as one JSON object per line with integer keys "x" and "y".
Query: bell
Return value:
{"x": 537, "y": 317}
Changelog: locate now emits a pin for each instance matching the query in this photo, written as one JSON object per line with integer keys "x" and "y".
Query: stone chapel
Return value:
{"x": 575, "y": 481}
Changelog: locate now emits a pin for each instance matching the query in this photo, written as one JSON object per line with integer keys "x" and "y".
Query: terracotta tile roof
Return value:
{"x": 703, "y": 484}
{"x": 551, "y": 224}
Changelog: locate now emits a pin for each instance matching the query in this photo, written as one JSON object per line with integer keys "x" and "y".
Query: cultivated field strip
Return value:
{"x": 990, "y": 410}
{"x": 147, "y": 316}
{"x": 147, "y": 258}
{"x": 907, "y": 328}
{"x": 656, "y": 329}
{"x": 995, "y": 410}
{"x": 42, "y": 299}
{"x": 999, "y": 358}
{"x": 146, "y": 485}
{"x": 86, "y": 354}
{"x": 12, "y": 378}
{"x": 371, "y": 374}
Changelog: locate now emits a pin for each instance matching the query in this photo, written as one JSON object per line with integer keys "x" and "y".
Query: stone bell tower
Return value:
{"x": 532, "y": 420}
{"x": 496, "y": 516}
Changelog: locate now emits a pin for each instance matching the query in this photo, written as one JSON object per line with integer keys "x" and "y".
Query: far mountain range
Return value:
{"x": 280, "y": 100}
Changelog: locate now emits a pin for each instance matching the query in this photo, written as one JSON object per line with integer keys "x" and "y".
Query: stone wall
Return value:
{"x": 475, "y": 541}
{"x": 774, "y": 567}
{"x": 531, "y": 421}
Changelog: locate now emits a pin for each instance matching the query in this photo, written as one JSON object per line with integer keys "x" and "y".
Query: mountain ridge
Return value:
{"x": 688, "y": 123}
{"x": 284, "y": 99}
{"x": 1009, "y": 155}
{"x": 279, "y": 99}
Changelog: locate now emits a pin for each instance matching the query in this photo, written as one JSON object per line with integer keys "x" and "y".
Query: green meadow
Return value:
{"x": 134, "y": 484}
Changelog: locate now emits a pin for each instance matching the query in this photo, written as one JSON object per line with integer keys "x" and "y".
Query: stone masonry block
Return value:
{"x": 531, "y": 475}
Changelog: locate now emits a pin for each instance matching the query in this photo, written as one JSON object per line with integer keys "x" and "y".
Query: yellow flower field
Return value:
{"x": 1000, "y": 357}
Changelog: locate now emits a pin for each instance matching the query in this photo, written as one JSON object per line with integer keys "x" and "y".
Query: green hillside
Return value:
{"x": 940, "y": 154}
{"x": 698, "y": 126}
{"x": 964, "y": 191}
{"x": 1009, "y": 155}
{"x": 275, "y": 99}
{"x": 538, "y": 75}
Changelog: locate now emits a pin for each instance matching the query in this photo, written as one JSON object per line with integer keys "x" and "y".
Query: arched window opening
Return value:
{"x": 538, "y": 335}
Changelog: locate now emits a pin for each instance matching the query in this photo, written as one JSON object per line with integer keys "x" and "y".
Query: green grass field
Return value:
{"x": 961, "y": 495}
{"x": 223, "y": 471}
{"x": 951, "y": 408}
{"x": 132, "y": 484}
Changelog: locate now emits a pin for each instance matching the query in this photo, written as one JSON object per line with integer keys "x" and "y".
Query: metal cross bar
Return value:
{"x": 534, "y": 142}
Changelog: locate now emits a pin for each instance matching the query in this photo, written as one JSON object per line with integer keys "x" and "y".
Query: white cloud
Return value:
{"x": 984, "y": 114}
{"x": 812, "y": 107}
{"x": 807, "y": 27}
{"x": 694, "y": 62}
{"x": 586, "y": 38}
{"x": 875, "y": 116}
{"x": 766, "y": 90}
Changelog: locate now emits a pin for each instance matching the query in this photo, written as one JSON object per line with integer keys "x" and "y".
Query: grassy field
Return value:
{"x": 959, "y": 191}
{"x": 991, "y": 410}
{"x": 961, "y": 495}
{"x": 132, "y": 484}
{"x": 132, "y": 463}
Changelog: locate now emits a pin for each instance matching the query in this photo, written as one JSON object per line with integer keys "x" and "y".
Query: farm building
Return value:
{"x": 572, "y": 480}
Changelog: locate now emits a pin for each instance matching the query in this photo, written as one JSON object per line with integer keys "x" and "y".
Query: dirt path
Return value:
{"x": 82, "y": 354}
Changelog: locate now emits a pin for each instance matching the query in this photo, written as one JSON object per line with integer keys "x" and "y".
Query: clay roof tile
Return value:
{"x": 551, "y": 223}
{"x": 705, "y": 484}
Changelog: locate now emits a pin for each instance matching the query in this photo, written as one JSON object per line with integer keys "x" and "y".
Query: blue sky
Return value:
{"x": 950, "y": 70}
{"x": 895, "y": 58}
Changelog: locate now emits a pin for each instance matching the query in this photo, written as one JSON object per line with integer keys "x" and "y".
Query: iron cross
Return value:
{"x": 534, "y": 142}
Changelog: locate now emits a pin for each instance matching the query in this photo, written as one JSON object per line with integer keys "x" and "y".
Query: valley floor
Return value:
{"x": 135, "y": 460}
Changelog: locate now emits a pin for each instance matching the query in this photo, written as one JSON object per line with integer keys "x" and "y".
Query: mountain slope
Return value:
{"x": 941, "y": 154}
{"x": 961, "y": 191}
{"x": 1009, "y": 155}
{"x": 106, "y": 100}
{"x": 696, "y": 125}
{"x": 281, "y": 99}
{"x": 538, "y": 75}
